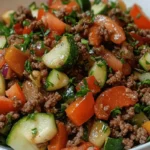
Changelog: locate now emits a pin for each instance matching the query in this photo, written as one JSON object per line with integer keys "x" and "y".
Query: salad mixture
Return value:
{"x": 74, "y": 75}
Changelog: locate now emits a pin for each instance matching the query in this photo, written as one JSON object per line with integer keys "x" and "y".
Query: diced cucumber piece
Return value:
{"x": 145, "y": 61}
{"x": 31, "y": 130}
{"x": 2, "y": 41}
{"x": 34, "y": 9}
{"x": 99, "y": 133}
{"x": 139, "y": 119}
{"x": 56, "y": 80}
{"x": 99, "y": 71}
{"x": 113, "y": 144}
{"x": 2, "y": 85}
{"x": 84, "y": 4}
{"x": 99, "y": 8}
{"x": 63, "y": 55}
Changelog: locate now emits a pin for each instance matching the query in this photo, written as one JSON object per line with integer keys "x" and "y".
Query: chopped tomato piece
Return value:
{"x": 116, "y": 32}
{"x": 2, "y": 59}
{"x": 58, "y": 4}
{"x": 118, "y": 96}
{"x": 60, "y": 140}
{"x": 81, "y": 110}
{"x": 94, "y": 36}
{"x": 15, "y": 59}
{"x": 16, "y": 91}
{"x": 54, "y": 23}
{"x": 92, "y": 84}
{"x": 140, "y": 19}
{"x": 18, "y": 28}
{"x": 6, "y": 105}
{"x": 41, "y": 13}
{"x": 26, "y": 30}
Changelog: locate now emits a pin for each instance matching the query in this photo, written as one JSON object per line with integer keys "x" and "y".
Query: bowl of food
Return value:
{"x": 74, "y": 75}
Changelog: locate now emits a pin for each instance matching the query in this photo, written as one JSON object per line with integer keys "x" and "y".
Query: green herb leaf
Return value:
{"x": 115, "y": 112}
{"x": 71, "y": 18}
{"x": 33, "y": 6}
{"x": 146, "y": 82}
{"x": 27, "y": 66}
{"x": 26, "y": 23}
{"x": 47, "y": 32}
{"x": 85, "y": 133}
{"x": 57, "y": 37}
{"x": 83, "y": 89}
{"x": 148, "y": 139}
{"x": 48, "y": 84}
{"x": 122, "y": 61}
{"x": 12, "y": 19}
{"x": 84, "y": 41}
{"x": 137, "y": 108}
{"x": 34, "y": 131}
{"x": 97, "y": 1}
{"x": 65, "y": 2}
{"x": 45, "y": 7}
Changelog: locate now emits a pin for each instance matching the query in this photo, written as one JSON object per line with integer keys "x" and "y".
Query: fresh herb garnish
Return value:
{"x": 33, "y": 6}
{"x": 83, "y": 89}
{"x": 122, "y": 61}
{"x": 65, "y": 2}
{"x": 97, "y": 1}
{"x": 48, "y": 84}
{"x": 4, "y": 30}
{"x": 137, "y": 108}
{"x": 31, "y": 116}
{"x": 84, "y": 41}
{"x": 47, "y": 32}
{"x": 45, "y": 7}
{"x": 26, "y": 23}
{"x": 115, "y": 112}
{"x": 69, "y": 94}
{"x": 12, "y": 19}
{"x": 57, "y": 37}
{"x": 146, "y": 82}
{"x": 85, "y": 133}
{"x": 27, "y": 66}
{"x": 71, "y": 18}
{"x": 148, "y": 139}
{"x": 34, "y": 131}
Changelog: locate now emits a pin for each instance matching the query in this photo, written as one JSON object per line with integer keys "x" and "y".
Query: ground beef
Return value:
{"x": 14, "y": 39}
{"x": 104, "y": 33}
{"x": 145, "y": 96}
{"x": 128, "y": 143}
{"x": 131, "y": 81}
{"x": 22, "y": 13}
{"x": 115, "y": 79}
{"x": 71, "y": 128}
{"x": 51, "y": 101}
{"x": 144, "y": 33}
{"x": 77, "y": 139}
{"x": 36, "y": 24}
{"x": 129, "y": 113}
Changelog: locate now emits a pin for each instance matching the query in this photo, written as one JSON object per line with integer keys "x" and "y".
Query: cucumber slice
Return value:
{"x": 84, "y": 4}
{"x": 145, "y": 61}
{"x": 143, "y": 77}
{"x": 34, "y": 9}
{"x": 22, "y": 137}
{"x": 99, "y": 8}
{"x": 56, "y": 80}
{"x": 115, "y": 144}
{"x": 2, "y": 85}
{"x": 2, "y": 41}
{"x": 99, "y": 133}
{"x": 63, "y": 55}
{"x": 99, "y": 71}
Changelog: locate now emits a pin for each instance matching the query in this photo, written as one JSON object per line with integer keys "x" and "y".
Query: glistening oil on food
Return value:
{"x": 74, "y": 75}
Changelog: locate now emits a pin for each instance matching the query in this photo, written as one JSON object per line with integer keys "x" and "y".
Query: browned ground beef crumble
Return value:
{"x": 39, "y": 100}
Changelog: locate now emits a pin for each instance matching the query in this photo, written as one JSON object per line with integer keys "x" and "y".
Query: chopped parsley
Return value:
{"x": 34, "y": 131}
{"x": 85, "y": 133}
{"x": 45, "y": 7}
{"x": 47, "y": 32}
{"x": 84, "y": 41}
{"x": 26, "y": 23}
{"x": 146, "y": 82}
{"x": 48, "y": 84}
{"x": 57, "y": 37}
{"x": 83, "y": 89}
{"x": 65, "y": 2}
{"x": 27, "y": 66}
{"x": 122, "y": 60}
{"x": 137, "y": 108}
{"x": 71, "y": 18}
{"x": 115, "y": 112}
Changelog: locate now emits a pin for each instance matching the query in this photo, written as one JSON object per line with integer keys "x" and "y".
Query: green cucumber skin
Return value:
{"x": 143, "y": 60}
{"x": 102, "y": 8}
{"x": 73, "y": 57}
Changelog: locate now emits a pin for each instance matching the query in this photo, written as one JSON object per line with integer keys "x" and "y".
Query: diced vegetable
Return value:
{"x": 81, "y": 110}
{"x": 18, "y": 28}
{"x": 6, "y": 16}
{"x": 146, "y": 126}
{"x": 94, "y": 37}
{"x": 99, "y": 8}
{"x": 29, "y": 131}
{"x": 91, "y": 83}
{"x": 68, "y": 7}
{"x": 111, "y": 60}
{"x": 99, "y": 133}
{"x": 63, "y": 55}
{"x": 56, "y": 80}
{"x": 84, "y": 4}
{"x": 26, "y": 30}
{"x": 2, "y": 41}
{"x": 139, "y": 119}
{"x": 2, "y": 85}
{"x": 118, "y": 96}
{"x": 6, "y": 105}
{"x": 116, "y": 32}
{"x": 140, "y": 19}
{"x": 15, "y": 59}
{"x": 54, "y": 23}
{"x": 16, "y": 91}
{"x": 34, "y": 9}
{"x": 60, "y": 139}
{"x": 145, "y": 61}
{"x": 115, "y": 144}
{"x": 99, "y": 71}
{"x": 41, "y": 13}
